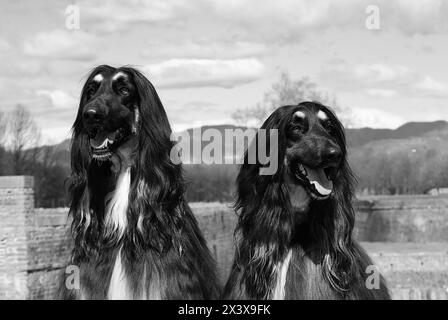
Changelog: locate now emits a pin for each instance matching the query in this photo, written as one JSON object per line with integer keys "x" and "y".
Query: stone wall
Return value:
{"x": 48, "y": 248}
{"x": 406, "y": 236}
{"x": 16, "y": 203}
{"x": 417, "y": 218}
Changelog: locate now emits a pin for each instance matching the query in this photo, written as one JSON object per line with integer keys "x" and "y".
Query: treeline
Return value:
{"x": 208, "y": 183}
{"x": 405, "y": 166}
{"x": 408, "y": 166}
{"x": 20, "y": 154}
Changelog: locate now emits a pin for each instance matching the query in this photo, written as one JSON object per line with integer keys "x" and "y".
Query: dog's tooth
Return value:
{"x": 103, "y": 145}
{"x": 302, "y": 170}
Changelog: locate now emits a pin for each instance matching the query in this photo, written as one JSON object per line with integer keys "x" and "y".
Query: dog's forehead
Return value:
{"x": 300, "y": 114}
{"x": 98, "y": 77}
{"x": 110, "y": 75}
{"x": 303, "y": 113}
{"x": 119, "y": 74}
{"x": 322, "y": 115}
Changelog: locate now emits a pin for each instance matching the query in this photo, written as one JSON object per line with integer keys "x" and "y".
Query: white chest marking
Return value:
{"x": 118, "y": 286}
{"x": 117, "y": 204}
{"x": 281, "y": 270}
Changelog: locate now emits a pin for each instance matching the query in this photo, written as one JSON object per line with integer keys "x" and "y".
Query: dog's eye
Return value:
{"x": 328, "y": 125}
{"x": 124, "y": 91}
{"x": 299, "y": 122}
{"x": 91, "y": 91}
{"x": 299, "y": 127}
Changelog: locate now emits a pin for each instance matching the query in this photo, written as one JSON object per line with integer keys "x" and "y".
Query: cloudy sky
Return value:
{"x": 208, "y": 58}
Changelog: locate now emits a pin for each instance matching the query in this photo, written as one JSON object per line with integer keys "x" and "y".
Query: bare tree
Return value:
{"x": 2, "y": 142}
{"x": 23, "y": 138}
{"x": 284, "y": 92}
{"x": 2, "y": 128}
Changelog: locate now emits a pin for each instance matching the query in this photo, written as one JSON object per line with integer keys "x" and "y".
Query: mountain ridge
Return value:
{"x": 355, "y": 136}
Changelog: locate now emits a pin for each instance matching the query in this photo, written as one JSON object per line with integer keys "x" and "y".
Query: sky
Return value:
{"x": 387, "y": 64}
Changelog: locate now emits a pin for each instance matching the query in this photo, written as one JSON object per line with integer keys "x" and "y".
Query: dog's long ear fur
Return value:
{"x": 157, "y": 187}
{"x": 264, "y": 215}
{"x": 267, "y": 224}
{"x": 85, "y": 224}
{"x": 334, "y": 222}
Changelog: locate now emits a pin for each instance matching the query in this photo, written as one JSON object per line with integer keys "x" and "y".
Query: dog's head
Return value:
{"x": 311, "y": 152}
{"x": 109, "y": 109}
{"x": 315, "y": 149}
{"x": 122, "y": 124}
{"x": 306, "y": 202}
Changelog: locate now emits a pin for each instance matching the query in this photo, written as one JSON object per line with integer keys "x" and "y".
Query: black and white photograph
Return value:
{"x": 224, "y": 150}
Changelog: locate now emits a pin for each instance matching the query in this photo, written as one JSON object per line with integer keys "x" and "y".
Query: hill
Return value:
{"x": 361, "y": 136}
{"x": 356, "y": 137}
{"x": 402, "y": 166}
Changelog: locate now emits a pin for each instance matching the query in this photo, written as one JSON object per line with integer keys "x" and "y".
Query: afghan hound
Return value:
{"x": 134, "y": 235}
{"x": 295, "y": 226}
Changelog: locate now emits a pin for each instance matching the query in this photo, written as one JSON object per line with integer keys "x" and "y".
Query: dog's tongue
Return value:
{"x": 318, "y": 178}
{"x": 101, "y": 137}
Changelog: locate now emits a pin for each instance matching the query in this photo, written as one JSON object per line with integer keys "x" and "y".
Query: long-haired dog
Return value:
{"x": 295, "y": 226}
{"x": 135, "y": 236}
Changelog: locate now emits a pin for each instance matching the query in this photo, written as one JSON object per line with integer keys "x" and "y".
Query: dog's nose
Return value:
{"x": 92, "y": 115}
{"x": 332, "y": 155}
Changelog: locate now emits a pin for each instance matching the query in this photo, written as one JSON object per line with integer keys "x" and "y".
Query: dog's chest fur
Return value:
{"x": 298, "y": 277}
{"x": 281, "y": 270}
{"x": 117, "y": 205}
{"x": 119, "y": 286}
{"x": 116, "y": 223}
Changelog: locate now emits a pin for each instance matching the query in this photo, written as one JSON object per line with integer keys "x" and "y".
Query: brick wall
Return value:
{"x": 48, "y": 251}
{"x": 16, "y": 203}
{"x": 417, "y": 218}
{"x": 407, "y": 238}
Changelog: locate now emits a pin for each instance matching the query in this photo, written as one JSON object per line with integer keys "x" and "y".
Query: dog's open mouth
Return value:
{"x": 102, "y": 143}
{"x": 317, "y": 181}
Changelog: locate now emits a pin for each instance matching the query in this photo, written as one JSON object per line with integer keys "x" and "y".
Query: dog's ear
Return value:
{"x": 78, "y": 184}
{"x": 153, "y": 128}
{"x": 338, "y": 218}
{"x": 151, "y": 113}
{"x": 265, "y": 217}
{"x": 157, "y": 184}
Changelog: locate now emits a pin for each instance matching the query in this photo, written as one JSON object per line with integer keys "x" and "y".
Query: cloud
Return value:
{"x": 367, "y": 73}
{"x": 418, "y": 16}
{"x": 432, "y": 86}
{"x": 200, "y": 105}
{"x": 52, "y": 135}
{"x": 61, "y": 44}
{"x": 382, "y": 80}
{"x": 4, "y": 46}
{"x": 185, "y": 73}
{"x": 284, "y": 22}
{"x": 204, "y": 48}
{"x": 291, "y": 20}
{"x": 382, "y": 93}
{"x": 112, "y": 16}
{"x": 374, "y": 118}
{"x": 380, "y": 72}
{"x": 197, "y": 113}
{"x": 59, "y": 98}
